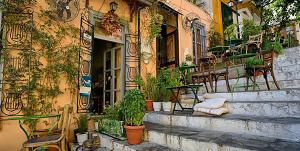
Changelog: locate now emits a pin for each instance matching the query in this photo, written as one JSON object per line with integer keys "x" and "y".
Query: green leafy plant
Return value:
{"x": 230, "y": 32}
{"x": 133, "y": 107}
{"x": 250, "y": 28}
{"x": 50, "y": 58}
{"x": 214, "y": 37}
{"x": 253, "y": 61}
{"x": 275, "y": 46}
{"x": 155, "y": 26}
{"x": 149, "y": 86}
{"x": 168, "y": 78}
{"x": 82, "y": 123}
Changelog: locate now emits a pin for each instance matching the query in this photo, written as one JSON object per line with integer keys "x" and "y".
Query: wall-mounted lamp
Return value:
{"x": 113, "y": 6}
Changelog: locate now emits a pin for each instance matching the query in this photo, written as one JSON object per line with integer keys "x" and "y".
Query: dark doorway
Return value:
{"x": 104, "y": 74}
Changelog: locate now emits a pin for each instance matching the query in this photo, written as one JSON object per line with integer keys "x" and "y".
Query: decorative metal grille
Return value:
{"x": 85, "y": 56}
{"x": 132, "y": 60}
{"x": 14, "y": 69}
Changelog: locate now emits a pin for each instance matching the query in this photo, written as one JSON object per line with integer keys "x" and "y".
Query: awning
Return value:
{"x": 169, "y": 8}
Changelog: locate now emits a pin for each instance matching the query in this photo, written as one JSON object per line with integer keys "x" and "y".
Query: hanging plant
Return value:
{"x": 155, "y": 26}
{"x": 111, "y": 23}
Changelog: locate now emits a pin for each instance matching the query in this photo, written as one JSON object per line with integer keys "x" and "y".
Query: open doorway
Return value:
{"x": 106, "y": 74}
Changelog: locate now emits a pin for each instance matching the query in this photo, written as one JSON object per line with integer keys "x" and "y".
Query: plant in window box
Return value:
{"x": 148, "y": 88}
{"x": 82, "y": 124}
{"x": 111, "y": 23}
{"x": 133, "y": 108}
{"x": 111, "y": 122}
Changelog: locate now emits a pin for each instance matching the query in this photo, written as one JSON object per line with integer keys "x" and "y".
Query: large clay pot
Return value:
{"x": 149, "y": 105}
{"x": 167, "y": 106}
{"x": 134, "y": 134}
{"x": 157, "y": 106}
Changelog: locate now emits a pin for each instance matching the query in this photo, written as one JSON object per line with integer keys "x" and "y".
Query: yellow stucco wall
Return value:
{"x": 217, "y": 13}
{"x": 11, "y": 136}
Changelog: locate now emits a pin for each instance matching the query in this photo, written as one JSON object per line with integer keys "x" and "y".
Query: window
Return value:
{"x": 167, "y": 42}
{"x": 199, "y": 42}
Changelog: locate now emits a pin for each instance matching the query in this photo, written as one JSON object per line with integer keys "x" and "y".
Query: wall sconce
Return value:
{"x": 113, "y": 6}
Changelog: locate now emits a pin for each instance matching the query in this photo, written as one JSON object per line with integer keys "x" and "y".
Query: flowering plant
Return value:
{"x": 111, "y": 23}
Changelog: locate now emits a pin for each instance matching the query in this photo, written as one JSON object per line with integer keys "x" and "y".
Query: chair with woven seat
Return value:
{"x": 56, "y": 140}
{"x": 264, "y": 69}
{"x": 204, "y": 72}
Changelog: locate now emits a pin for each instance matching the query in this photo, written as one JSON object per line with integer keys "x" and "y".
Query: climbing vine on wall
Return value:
{"x": 52, "y": 62}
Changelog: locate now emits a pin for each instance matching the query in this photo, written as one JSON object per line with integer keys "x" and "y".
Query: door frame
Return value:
{"x": 124, "y": 25}
{"x": 112, "y": 70}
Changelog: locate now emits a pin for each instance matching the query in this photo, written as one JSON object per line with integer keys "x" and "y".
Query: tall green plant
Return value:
{"x": 82, "y": 123}
{"x": 149, "y": 86}
{"x": 133, "y": 107}
{"x": 230, "y": 32}
{"x": 250, "y": 28}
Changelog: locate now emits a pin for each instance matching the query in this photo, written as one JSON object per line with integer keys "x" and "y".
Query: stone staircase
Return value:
{"x": 265, "y": 120}
{"x": 286, "y": 68}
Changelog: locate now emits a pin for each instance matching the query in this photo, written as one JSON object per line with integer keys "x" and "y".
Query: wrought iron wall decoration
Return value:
{"x": 84, "y": 74}
{"x": 132, "y": 60}
{"x": 14, "y": 77}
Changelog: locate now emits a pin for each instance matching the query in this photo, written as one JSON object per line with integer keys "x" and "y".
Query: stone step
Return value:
{"x": 272, "y": 95}
{"x": 281, "y": 127}
{"x": 187, "y": 139}
{"x": 265, "y": 108}
{"x": 259, "y": 108}
{"x": 113, "y": 144}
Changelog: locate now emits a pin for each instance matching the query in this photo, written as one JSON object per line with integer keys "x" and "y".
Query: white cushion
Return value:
{"x": 211, "y": 103}
{"x": 218, "y": 111}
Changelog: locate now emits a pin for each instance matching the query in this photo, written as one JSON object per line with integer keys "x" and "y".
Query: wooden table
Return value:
{"x": 193, "y": 87}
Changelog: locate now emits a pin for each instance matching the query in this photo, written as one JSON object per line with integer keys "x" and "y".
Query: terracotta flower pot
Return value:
{"x": 149, "y": 105}
{"x": 134, "y": 134}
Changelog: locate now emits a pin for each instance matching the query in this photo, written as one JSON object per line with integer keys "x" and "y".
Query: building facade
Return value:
{"x": 108, "y": 59}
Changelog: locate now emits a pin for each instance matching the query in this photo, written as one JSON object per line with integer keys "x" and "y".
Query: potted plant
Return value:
{"x": 148, "y": 89}
{"x": 166, "y": 104}
{"x": 133, "y": 109}
{"x": 156, "y": 99}
{"x": 82, "y": 128}
{"x": 168, "y": 78}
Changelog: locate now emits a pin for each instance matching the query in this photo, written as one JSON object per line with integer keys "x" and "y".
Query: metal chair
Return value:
{"x": 205, "y": 72}
{"x": 264, "y": 69}
{"x": 58, "y": 141}
{"x": 254, "y": 41}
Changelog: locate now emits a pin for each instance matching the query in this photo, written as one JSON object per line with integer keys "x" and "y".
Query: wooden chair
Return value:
{"x": 217, "y": 74}
{"x": 264, "y": 69}
{"x": 58, "y": 141}
{"x": 254, "y": 41}
{"x": 204, "y": 73}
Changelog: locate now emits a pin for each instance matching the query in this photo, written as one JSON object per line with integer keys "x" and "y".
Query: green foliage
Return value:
{"x": 230, "y": 32}
{"x": 133, "y": 107}
{"x": 82, "y": 123}
{"x": 113, "y": 112}
{"x": 214, "y": 38}
{"x": 274, "y": 46}
{"x": 253, "y": 61}
{"x": 168, "y": 78}
{"x": 155, "y": 26}
{"x": 111, "y": 127}
{"x": 149, "y": 86}
{"x": 250, "y": 28}
{"x": 52, "y": 60}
